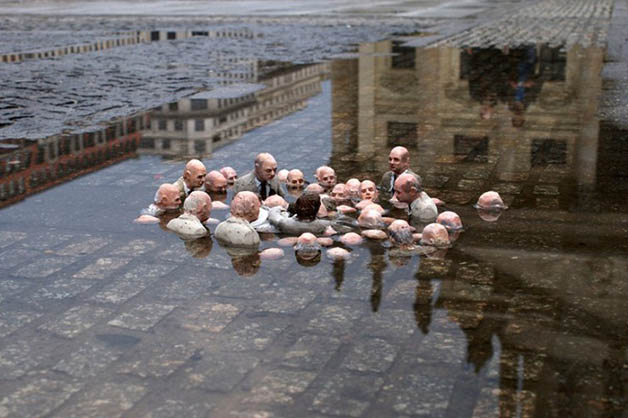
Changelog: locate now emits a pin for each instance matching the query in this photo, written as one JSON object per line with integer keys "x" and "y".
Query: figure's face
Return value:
{"x": 204, "y": 211}
{"x": 266, "y": 170}
{"x": 401, "y": 194}
{"x": 339, "y": 193}
{"x": 217, "y": 184}
{"x": 170, "y": 200}
{"x": 253, "y": 213}
{"x": 230, "y": 174}
{"x": 195, "y": 176}
{"x": 400, "y": 232}
{"x": 327, "y": 178}
{"x": 398, "y": 161}
{"x": 368, "y": 190}
{"x": 295, "y": 180}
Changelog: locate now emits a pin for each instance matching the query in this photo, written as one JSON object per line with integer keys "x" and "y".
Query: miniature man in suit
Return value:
{"x": 421, "y": 207}
{"x": 193, "y": 178}
{"x": 167, "y": 202}
{"x": 399, "y": 163}
{"x": 262, "y": 179}
{"x": 237, "y": 231}
{"x": 196, "y": 210}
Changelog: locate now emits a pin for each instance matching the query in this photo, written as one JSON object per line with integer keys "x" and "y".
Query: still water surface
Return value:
{"x": 523, "y": 316}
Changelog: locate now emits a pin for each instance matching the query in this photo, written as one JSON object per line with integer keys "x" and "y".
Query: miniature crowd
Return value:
{"x": 310, "y": 215}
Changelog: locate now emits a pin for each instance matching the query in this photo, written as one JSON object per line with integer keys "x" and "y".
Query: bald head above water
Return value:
{"x": 435, "y": 235}
{"x": 368, "y": 190}
{"x": 450, "y": 220}
{"x": 295, "y": 179}
{"x": 490, "y": 200}
{"x": 265, "y": 166}
{"x": 198, "y": 204}
{"x": 215, "y": 182}
{"x": 230, "y": 174}
{"x": 168, "y": 197}
{"x": 399, "y": 160}
{"x": 194, "y": 174}
{"x": 245, "y": 205}
{"x": 326, "y": 176}
{"x": 407, "y": 188}
{"x": 400, "y": 232}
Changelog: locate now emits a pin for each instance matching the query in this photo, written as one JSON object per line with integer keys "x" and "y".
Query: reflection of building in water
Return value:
{"x": 522, "y": 122}
{"x": 197, "y": 125}
{"x": 28, "y": 167}
{"x": 171, "y": 35}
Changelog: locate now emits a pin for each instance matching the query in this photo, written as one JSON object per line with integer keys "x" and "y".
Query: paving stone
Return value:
{"x": 101, "y": 268}
{"x": 370, "y": 355}
{"x": 280, "y": 387}
{"x": 334, "y": 320}
{"x": 251, "y": 335}
{"x": 132, "y": 283}
{"x": 9, "y": 288}
{"x": 244, "y": 287}
{"x": 532, "y": 370}
{"x": 45, "y": 240}
{"x": 156, "y": 358}
{"x": 207, "y": 316}
{"x": 175, "y": 409}
{"x": 393, "y": 324}
{"x": 513, "y": 176}
{"x": 481, "y": 173}
{"x": 44, "y": 267}
{"x": 15, "y": 256}
{"x": 436, "y": 181}
{"x": 547, "y": 203}
{"x": 10, "y": 321}
{"x": 134, "y": 248}
{"x": 403, "y": 293}
{"x": 439, "y": 347}
{"x": 86, "y": 246}
{"x": 62, "y": 289}
{"x": 88, "y": 360}
{"x": 311, "y": 352}
{"x": 76, "y": 320}
{"x": 105, "y": 399}
{"x": 281, "y": 299}
{"x": 8, "y": 238}
{"x": 433, "y": 268}
{"x": 476, "y": 274}
{"x": 18, "y": 357}
{"x": 347, "y": 394}
{"x": 142, "y": 317}
{"x": 219, "y": 372}
{"x": 38, "y": 395}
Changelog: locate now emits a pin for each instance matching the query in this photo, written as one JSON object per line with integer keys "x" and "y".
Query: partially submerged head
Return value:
{"x": 245, "y": 205}
{"x": 314, "y": 188}
{"x": 265, "y": 166}
{"x": 407, "y": 188}
{"x": 230, "y": 174}
{"x": 276, "y": 200}
{"x": 198, "y": 204}
{"x": 399, "y": 160}
{"x": 282, "y": 175}
{"x": 326, "y": 177}
{"x": 450, "y": 220}
{"x": 435, "y": 235}
{"x": 215, "y": 182}
{"x": 295, "y": 179}
{"x": 371, "y": 219}
{"x": 194, "y": 174}
{"x": 490, "y": 201}
{"x": 168, "y": 197}
{"x": 339, "y": 193}
{"x": 307, "y": 247}
{"x": 307, "y": 206}
{"x": 400, "y": 233}
{"x": 352, "y": 187}
{"x": 368, "y": 190}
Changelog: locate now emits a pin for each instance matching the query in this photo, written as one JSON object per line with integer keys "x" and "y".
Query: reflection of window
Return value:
{"x": 163, "y": 124}
{"x": 178, "y": 125}
{"x": 172, "y": 35}
{"x": 222, "y": 119}
{"x": 548, "y": 151}
{"x": 473, "y": 148}
{"x": 154, "y": 35}
{"x": 199, "y": 146}
{"x": 404, "y": 57}
{"x": 165, "y": 144}
{"x": 553, "y": 62}
{"x": 198, "y": 104}
{"x": 147, "y": 143}
{"x": 173, "y": 106}
{"x": 402, "y": 134}
{"x": 216, "y": 138}
{"x": 199, "y": 125}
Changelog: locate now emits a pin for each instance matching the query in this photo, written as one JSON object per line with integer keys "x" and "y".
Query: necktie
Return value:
{"x": 392, "y": 184}
{"x": 262, "y": 190}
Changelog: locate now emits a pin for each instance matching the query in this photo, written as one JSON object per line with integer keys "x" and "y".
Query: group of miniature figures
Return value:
{"x": 308, "y": 215}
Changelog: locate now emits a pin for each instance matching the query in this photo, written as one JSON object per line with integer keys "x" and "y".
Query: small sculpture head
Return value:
{"x": 198, "y": 204}
{"x": 168, "y": 197}
{"x": 435, "y": 235}
{"x": 295, "y": 179}
{"x": 245, "y": 205}
{"x": 194, "y": 174}
{"x": 368, "y": 190}
{"x": 265, "y": 167}
{"x": 399, "y": 160}
{"x": 326, "y": 177}
{"x": 230, "y": 174}
{"x": 215, "y": 182}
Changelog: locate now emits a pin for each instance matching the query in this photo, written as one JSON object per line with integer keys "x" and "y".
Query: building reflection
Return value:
{"x": 254, "y": 93}
{"x": 521, "y": 121}
{"x": 31, "y": 166}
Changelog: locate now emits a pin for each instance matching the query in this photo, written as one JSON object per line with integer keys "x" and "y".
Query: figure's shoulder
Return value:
{"x": 179, "y": 183}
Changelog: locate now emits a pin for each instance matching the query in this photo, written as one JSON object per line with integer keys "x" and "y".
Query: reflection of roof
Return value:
{"x": 229, "y": 92}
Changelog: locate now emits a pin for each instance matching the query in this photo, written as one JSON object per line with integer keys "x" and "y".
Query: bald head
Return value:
{"x": 198, "y": 204}
{"x": 491, "y": 201}
{"x": 368, "y": 190}
{"x": 400, "y": 232}
{"x": 282, "y": 175}
{"x": 407, "y": 188}
{"x": 295, "y": 179}
{"x": 215, "y": 182}
{"x": 245, "y": 205}
{"x": 339, "y": 193}
{"x": 314, "y": 188}
{"x": 399, "y": 160}
{"x": 276, "y": 200}
{"x": 168, "y": 197}
{"x": 230, "y": 174}
{"x": 371, "y": 218}
{"x": 265, "y": 167}
{"x": 435, "y": 235}
{"x": 450, "y": 220}
{"x": 326, "y": 177}
{"x": 194, "y": 174}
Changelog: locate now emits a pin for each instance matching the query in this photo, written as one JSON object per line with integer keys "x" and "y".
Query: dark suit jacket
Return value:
{"x": 385, "y": 185}
{"x": 247, "y": 183}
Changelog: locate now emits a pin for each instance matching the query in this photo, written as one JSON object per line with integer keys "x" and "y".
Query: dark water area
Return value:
{"x": 523, "y": 316}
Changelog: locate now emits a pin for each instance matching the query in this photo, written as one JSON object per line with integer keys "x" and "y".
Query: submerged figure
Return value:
{"x": 262, "y": 179}
{"x": 196, "y": 210}
{"x": 408, "y": 190}
{"x": 490, "y": 206}
{"x": 230, "y": 174}
{"x": 193, "y": 178}
{"x": 236, "y": 231}
{"x": 451, "y": 221}
{"x": 304, "y": 219}
{"x": 282, "y": 175}
{"x": 401, "y": 233}
{"x": 326, "y": 177}
{"x": 435, "y": 235}
{"x": 215, "y": 182}
{"x": 368, "y": 194}
{"x": 399, "y": 163}
{"x": 167, "y": 200}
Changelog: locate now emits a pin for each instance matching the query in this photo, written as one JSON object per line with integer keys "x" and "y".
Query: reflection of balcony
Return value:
{"x": 197, "y": 125}
{"x": 28, "y": 167}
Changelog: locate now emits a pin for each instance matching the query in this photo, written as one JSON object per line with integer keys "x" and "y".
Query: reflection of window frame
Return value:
{"x": 480, "y": 147}
{"x": 178, "y": 125}
{"x": 406, "y": 134}
{"x": 400, "y": 60}
{"x": 199, "y": 125}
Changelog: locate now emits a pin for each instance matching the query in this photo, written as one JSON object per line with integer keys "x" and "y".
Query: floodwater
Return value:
{"x": 523, "y": 316}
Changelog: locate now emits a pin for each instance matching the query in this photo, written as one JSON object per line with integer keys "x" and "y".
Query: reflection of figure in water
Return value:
{"x": 487, "y": 77}
{"x": 167, "y": 201}
{"x": 193, "y": 178}
{"x": 230, "y": 174}
{"x": 307, "y": 251}
{"x": 236, "y": 231}
{"x": 377, "y": 266}
{"x": 199, "y": 248}
{"x": 338, "y": 271}
{"x": 524, "y": 87}
{"x": 245, "y": 261}
{"x": 423, "y": 303}
{"x": 196, "y": 210}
